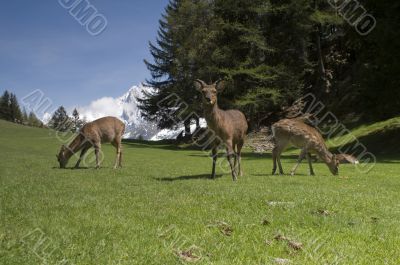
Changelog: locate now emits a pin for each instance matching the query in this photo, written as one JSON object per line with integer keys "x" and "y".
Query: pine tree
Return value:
{"x": 154, "y": 106}
{"x": 16, "y": 114}
{"x": 77, "y": 122}
{"x": 180, "y": 56}
{"x": 60, "y": 120}
{"x": 34, "y": 121}
{"x": 25, "y": 117}
{"x": 5, "y": 110}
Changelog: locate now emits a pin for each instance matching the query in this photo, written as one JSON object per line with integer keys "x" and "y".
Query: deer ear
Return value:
{"x": 220, "y": 85}
{"x": 198, "y": 84}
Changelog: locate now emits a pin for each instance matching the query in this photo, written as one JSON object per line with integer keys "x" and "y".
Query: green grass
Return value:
{"x": 161, "y": 203}
{"x": 380, "y": 138}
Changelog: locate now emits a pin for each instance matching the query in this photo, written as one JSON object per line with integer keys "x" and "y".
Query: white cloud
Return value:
{"x": 46, "y": 117}
{"x": 102, "y": 107}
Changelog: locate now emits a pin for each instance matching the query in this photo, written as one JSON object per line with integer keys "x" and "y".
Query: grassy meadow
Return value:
{"x": 161, "y": 208}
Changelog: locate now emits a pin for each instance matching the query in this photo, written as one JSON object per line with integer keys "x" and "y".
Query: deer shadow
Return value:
{"x": 192, "y": 177}
{"x": 278, "y": 175}
{"x": 74, "y": 168}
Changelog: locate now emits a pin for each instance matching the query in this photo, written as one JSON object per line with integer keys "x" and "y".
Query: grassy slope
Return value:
{"x": 381, "y": 138}
{"x": 161, "y": 202}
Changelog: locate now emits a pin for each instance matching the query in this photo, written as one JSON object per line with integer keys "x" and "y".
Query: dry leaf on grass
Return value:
{"x": 292, "y": 244}
{"x": 280, "y": 237}
{"x": 188, "y": 255}
{"x": 223, "y": 227}
{"x": 279, "y": 203}
{"x": 323, "y": 212}
{"x": 281, "y": 261}
{"x": 295, "y": 245}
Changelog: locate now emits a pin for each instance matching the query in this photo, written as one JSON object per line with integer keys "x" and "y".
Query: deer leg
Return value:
{"x": 83, "y": 152}
{"x": 235, "y": 158}
{"x": 97, "y": 153}
{"x": 309, "y": 158}
{"x": 301, "y": 157}
{"x": 274, "y": 158}
{"x": 214, "y": 156}
{"x": 118, "y": 156}
{"x": 231, "y": 153}
{"x": 239, "y": 154}
{"x": 279, "y": 164}
{"x": 276, "y": 155}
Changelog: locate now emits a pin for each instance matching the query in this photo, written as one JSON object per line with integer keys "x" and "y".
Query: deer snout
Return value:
{"x": 210, "y": 100}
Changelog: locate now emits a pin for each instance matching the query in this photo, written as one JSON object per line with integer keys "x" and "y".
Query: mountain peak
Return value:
{"x": 126, "y": 108}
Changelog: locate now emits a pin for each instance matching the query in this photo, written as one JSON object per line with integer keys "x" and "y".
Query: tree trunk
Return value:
{"x": 197, "y": 123}
{"x": 322, "y": 78}
{"x": 187, "y": 127}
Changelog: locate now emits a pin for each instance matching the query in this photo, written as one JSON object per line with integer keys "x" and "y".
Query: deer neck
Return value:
{"x": 212, "y": 114}
{"x": 325, "y": 155}
{"x": 74, "y": 146}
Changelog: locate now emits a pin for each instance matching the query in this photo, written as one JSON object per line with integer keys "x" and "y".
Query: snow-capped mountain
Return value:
{"x": 126, "y": 109}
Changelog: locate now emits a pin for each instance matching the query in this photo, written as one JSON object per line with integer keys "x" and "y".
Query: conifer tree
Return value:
{"x": 25, "y": 117}
{"x": 15, "y": 110}
{"x": 34, "y": 121}
{"x": 77, "y": 122}
{"x": 5, "y": 111}
{"x": 60, "y": 120}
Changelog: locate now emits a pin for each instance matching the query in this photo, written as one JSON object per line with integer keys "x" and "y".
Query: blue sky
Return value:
{"x": 43, "y": 47}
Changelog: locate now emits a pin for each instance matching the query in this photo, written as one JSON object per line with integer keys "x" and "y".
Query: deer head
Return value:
{"x": 61, "y": 157}
{"x": 333, "y": 165}
{"x": 209, "y": 92}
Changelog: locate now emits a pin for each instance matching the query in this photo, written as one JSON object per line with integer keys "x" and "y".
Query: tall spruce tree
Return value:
{"x": 77, "y": 122}
{"x": 5, "y": 110}
{"x": 60, "y": 120}
{"x": 25, "y": 117}
{"x": 154, "y": 106}
{"x": 34, "y": 121}
{"x": 15, "y": 110}
{"x": 181, "y": 55}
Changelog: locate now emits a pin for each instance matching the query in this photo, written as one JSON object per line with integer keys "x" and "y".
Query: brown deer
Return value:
{"x": 230, "y": 126}
{"x": 301, "y": 135}
{"x": 92, "y": 134}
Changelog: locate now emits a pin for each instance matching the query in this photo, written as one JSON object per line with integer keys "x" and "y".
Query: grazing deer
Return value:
{"x": 230, "y": 126}
{"x": 301, "y": 135}
{"x": 103, "y": 130}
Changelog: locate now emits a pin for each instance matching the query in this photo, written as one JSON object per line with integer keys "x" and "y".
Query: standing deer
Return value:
{"x": 230, "y": 126}
{"x": 103, "y": 130}
{"x": 301, "y": 135}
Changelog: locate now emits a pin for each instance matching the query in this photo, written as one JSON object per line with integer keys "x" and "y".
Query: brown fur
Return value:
{"x": 301, "y": 135}
{"x": 345, "y": 158}
{"x": 93, "y": 134}
{"x": 229, "y": 125}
